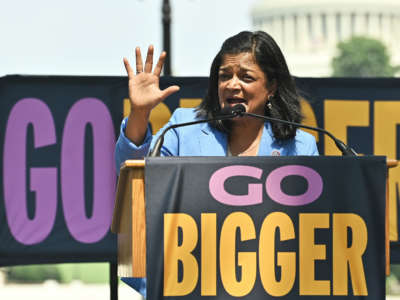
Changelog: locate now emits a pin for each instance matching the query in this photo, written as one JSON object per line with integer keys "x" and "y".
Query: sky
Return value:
{"x": 90, "y": 37}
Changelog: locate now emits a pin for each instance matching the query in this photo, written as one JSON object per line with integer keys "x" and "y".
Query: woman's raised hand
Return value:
{"x": 144, "y": 93}
{"x": 144, "y": 89}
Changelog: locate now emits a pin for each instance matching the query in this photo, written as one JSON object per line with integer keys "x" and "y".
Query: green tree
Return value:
{"x": 362, "y": 57}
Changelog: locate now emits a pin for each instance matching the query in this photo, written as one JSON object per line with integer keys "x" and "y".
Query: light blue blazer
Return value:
{"x": 205, "y": 140}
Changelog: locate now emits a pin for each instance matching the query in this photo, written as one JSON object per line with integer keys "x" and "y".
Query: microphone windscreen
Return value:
{"x": 238, "y": 109}
{"x": 235, "y": 110}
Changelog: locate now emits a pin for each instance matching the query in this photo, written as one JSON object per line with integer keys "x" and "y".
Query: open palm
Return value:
{"x": 144, "y": 89}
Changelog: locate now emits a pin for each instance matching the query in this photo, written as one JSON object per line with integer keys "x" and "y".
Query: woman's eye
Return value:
{"x": 223, "y": 76}
{"x": 248, "y": 78}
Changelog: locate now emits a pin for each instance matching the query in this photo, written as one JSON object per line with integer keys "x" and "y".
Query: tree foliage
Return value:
{"x": 362, "y": 57}
{"x": 33, "y": 273}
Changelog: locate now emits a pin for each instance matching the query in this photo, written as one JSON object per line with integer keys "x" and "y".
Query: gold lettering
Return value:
{"x": 247, "y": 261}
{"x": 349, "y": 258}
{"x": 286, "y": 260}
{"x": 209, "y": 254}
{"x": 159, "y": 116}
{"x": 340, "y": 114}
{"x": 173, "y": 253}
{"x": 310, "y": 252}
{"x": 309, "y": 117}
{"x": 189, "y": 102}
{"x": 126, "y": 107}
{"x": 386, "y": 119}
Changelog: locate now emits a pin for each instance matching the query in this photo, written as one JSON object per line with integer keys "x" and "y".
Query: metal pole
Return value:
{"x": 113, "y": 280}
{"x": 166, "y": 20}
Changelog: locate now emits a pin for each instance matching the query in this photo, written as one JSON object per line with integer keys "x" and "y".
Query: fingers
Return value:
{"x": 148, "y": 66}
{"x": 149, "y": 60}
{"x": 128, "y": 68}
{"x": 169, "y": 91}
{"x": 160, "y": 63}
{"x": 139, "y": 61}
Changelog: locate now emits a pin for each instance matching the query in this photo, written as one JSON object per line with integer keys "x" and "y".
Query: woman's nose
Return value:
{"x": 234, "y": 83}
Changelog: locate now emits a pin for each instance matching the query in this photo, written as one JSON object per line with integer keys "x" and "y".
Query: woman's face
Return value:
{"x": 241, "y": 80}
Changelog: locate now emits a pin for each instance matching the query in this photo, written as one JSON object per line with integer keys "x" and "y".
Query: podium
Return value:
{"x": 129, "y": 219}
{"x": 130, "y": 201}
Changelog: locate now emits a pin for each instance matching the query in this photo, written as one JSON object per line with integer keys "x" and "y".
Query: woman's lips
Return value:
{"x": 235, "y": 100}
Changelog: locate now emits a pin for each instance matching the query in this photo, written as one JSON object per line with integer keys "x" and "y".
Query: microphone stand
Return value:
{"x": 240, "y": 110}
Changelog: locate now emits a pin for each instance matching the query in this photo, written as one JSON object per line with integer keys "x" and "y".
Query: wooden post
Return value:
{"x": 391, "y": 163}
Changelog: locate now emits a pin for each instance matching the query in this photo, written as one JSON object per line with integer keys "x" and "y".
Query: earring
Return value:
{"x": 269, "y": 104}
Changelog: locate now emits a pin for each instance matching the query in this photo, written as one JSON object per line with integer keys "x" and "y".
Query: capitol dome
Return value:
{"x": 309, "y": 30}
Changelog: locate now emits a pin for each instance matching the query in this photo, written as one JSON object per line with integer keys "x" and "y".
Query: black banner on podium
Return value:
{"x": 265, "y": 227}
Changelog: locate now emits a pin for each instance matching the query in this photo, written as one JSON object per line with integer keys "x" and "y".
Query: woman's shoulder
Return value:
{"x": 182, "y": 115}
{"x": 305, "y": 143}
{"x": 302, "y": 135}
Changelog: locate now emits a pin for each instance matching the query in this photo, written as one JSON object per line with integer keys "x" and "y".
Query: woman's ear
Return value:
{"x": 273, "y": 87}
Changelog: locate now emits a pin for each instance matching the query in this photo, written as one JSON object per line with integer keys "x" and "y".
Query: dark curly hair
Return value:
{"x": 267, "y": 54}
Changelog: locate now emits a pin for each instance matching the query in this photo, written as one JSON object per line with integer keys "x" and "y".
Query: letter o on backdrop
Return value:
{"x": 93, "y": 112}
{"x": 274, "y": 191}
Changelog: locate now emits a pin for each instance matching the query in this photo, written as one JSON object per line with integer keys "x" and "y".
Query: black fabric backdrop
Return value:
{"x": 56, "y": 195}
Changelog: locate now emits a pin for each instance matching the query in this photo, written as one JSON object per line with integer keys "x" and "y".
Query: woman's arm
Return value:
{"x": 144, "y": 93}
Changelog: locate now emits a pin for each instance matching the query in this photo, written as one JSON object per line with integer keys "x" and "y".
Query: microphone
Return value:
{"x": 224, "y": 114}
{"x": 345, "y": 149}
{"x": 236, "y": 110}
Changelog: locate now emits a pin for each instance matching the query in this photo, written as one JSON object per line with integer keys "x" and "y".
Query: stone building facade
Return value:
{"x": 309, "y": 30}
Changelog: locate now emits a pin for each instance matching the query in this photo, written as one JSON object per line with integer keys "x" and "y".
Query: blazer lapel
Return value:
{"x": 266, "y": 141}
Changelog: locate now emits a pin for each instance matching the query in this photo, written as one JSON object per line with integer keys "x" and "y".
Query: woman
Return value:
{"x": 249, "y": 69}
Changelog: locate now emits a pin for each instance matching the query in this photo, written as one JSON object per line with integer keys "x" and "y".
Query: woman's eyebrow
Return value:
{"x": 222, "y": 68}
{"x": 247, "y": 69}
{"x": 242, "y": 68}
